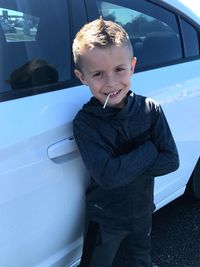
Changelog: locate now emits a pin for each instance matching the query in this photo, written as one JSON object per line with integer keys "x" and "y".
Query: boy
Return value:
{"x": 124, "y": 140}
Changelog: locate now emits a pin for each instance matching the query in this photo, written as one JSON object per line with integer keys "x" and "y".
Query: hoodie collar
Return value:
{"x": 131, "y": 108}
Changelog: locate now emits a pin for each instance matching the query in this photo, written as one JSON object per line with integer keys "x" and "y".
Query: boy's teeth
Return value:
{"x": 114, "y": 93}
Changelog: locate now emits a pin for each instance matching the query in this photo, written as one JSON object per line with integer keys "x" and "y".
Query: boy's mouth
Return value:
{"x": 113, "y": 93}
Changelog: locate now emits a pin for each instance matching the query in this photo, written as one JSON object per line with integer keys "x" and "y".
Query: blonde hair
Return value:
{"x": 102, "y": 34}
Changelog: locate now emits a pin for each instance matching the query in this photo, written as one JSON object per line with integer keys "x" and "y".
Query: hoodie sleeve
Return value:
{"x": 167, "y": 158}
{"x": 107, "y": 170}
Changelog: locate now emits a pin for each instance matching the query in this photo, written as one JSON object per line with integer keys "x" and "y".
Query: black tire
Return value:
{"x": 193, "y": 186}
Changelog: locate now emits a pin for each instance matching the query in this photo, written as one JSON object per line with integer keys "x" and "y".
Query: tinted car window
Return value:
{"x": 153, "y": 30}
{"x": 191, "y": 40}
{"x": 34, "y": 44}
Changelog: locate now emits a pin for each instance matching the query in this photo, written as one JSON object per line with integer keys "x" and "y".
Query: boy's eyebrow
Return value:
{"x": 99, "y": 70}
{"x": 121, "y": 65}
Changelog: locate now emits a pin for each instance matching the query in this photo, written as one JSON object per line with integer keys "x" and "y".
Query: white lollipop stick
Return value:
{"x": 107, "y": 98}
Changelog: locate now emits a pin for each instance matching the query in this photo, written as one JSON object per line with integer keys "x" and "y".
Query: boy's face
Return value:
{"x": 107, "y": 71}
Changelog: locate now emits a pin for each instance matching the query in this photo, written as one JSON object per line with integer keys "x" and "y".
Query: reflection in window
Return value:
{"x": 154, "y": 41}
{"x": 18, "y": 26}
{"x": 35, "y": 48}
{"x": 35, "y": 72}
{"x": 136, "y": 24}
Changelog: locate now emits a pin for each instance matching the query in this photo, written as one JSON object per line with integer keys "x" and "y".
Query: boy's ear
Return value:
{"x": 80, "y": 76}
{"x": 133, "y": 63}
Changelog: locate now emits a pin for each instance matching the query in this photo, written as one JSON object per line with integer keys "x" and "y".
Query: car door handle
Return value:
{"x": 62, "y": 148}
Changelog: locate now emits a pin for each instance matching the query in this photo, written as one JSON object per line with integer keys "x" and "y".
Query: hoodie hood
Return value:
{"x": 132, "y": 107}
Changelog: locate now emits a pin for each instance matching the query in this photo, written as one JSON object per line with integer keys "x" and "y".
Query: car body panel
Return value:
{"x": 38, "y": 194}
{"x": 177, "y": 89}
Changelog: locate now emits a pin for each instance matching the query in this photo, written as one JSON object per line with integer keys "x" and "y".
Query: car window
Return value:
{"x": 34, "y": 44}
{"x": 191, "y": 39}
{"x": 153, "y": 30}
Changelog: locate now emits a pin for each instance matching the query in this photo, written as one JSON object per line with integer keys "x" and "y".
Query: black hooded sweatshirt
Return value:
{"x": 123, "y": 150}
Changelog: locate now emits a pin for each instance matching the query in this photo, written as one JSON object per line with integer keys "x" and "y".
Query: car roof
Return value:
{"x": 183, "y": 8}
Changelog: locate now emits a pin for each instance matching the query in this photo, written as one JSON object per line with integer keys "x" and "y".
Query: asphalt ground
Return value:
{"x": 175, "y": 236}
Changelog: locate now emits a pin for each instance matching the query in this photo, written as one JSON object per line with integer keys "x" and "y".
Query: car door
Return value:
{"x": 167, "y": 70}
{"x": 42, "y": 178}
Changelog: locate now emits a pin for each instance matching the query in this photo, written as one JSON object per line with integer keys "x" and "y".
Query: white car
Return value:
{"x": 42, "y": 177}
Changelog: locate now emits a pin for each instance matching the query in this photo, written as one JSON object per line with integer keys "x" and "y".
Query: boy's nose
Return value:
{"x": 110, "y": 81}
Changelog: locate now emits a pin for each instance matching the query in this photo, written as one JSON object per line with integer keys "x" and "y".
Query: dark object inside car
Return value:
{"x": 35, "y": 72}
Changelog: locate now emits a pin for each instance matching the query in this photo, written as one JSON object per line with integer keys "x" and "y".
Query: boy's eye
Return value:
{"x": 119, "y": 69}
{"x": 97, "y": 74}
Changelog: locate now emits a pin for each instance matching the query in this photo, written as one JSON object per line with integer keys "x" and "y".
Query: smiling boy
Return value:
{"x": 104, "y": 76}
{"x": 124, "y": 145}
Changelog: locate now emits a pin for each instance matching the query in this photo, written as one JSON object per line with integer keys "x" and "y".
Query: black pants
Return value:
{"x": 102, "y": 243}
